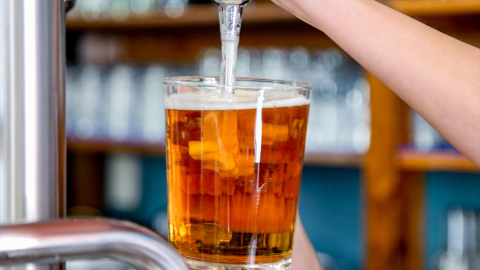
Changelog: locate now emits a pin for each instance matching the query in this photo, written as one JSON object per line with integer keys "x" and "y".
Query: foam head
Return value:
{"x": 240, "y": 100}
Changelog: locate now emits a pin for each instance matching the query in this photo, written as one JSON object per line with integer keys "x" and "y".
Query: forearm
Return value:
{"x": 304, "y": 255}
{"x": 436, "y": 75}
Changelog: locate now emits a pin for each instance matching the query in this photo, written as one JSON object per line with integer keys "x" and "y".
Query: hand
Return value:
{"x": 304, "y": 255}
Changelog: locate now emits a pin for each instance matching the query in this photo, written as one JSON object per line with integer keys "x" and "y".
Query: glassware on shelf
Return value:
{"x": 339, "y": 122}
{"x": 86, "y": 99}
{"x": 357, "y": 100}
{"x": 91, "y": 9}
{"x": 174, "y": 8}
{"x": 150, "y": 105}
{"x": 243, "y": 62}
{"x": 70, "y": 98}
{"x": 120, "y": 10}
{"x": 462, "y": 251}
{"x": 425, "y": 137}
{"x": 119, "y": 100}
{"x": 141, "y": 7}
{"x": 274, "y": 64}
{"x": 299, "y": 63}
{"x": 123, "y": 184}
{"x": 210, "y": 62}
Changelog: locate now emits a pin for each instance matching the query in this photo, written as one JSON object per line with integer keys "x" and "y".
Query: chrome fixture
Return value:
{"x": 32, "y": 141}
{"x": 231, "y": 2}
{"x": 57, "y": 241}
{"x": 33, "y": 154}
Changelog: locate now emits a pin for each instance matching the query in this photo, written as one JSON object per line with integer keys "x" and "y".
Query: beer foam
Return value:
{"x": 241, "y": 100}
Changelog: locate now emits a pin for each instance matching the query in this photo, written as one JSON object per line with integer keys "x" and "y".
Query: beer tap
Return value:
{"x": 230, "y": 13}
{"x": 230, "y": 16}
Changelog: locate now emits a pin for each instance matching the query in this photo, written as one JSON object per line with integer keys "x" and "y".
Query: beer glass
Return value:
{"x": 234, "y": 164}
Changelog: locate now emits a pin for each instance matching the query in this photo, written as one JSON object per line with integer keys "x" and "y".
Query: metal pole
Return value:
{"x": 31, "y": 103}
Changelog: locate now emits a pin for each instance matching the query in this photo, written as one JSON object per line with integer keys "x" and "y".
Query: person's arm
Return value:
{"x": 303, "y": 255}
{"x": 438, "y": 76}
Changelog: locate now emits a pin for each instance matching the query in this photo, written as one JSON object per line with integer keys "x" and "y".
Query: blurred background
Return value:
{"x": 381, "y": 189}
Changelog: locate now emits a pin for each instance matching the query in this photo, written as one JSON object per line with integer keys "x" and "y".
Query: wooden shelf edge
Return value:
{"x": 207, "y": 15}
{"x": 446, "y": 161}
{"x": 103, "y": 146}
{"x": 344, "y": 160}
{"x": 195, "y": 15}
{"x": 435, "y": 7}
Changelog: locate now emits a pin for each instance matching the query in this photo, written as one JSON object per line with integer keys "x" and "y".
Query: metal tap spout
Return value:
{"x": 231, "y": 2}
{"x": 69, "y": 5}
{"x": 58, "y": 241}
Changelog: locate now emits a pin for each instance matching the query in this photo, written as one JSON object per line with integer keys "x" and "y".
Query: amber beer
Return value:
{"x": 233, "y": 177}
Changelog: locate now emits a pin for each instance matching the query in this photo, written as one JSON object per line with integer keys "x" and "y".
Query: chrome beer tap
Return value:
{"x": 230, "y": 13}
{"x": 230, "y": 16}
{"x": 231, "y": 2}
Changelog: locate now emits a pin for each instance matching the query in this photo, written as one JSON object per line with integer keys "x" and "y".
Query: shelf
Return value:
{"x": 344, "y": 160}
{"x": 194, "y": 15}
{"x": 207, "y": 15}
{"x": 447, "y": 161}
{"x": 102, "y": 146}
{"x": 436, "y": 7}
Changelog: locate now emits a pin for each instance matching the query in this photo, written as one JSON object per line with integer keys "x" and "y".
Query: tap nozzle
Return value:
{"x": 69, "y": 5}
{"x": 231, "y": 2}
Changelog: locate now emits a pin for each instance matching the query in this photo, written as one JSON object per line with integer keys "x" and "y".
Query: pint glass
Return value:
{"x": 234, "y": 164}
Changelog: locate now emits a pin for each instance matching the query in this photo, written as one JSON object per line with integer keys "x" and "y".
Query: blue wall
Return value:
{"x": 331, "y": 211}
{"x": 331, "y": 208}
{"x": 154, "y": 199}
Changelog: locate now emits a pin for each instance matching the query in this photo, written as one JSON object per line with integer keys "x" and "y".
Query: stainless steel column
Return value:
{"x": 32, "y": 144}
